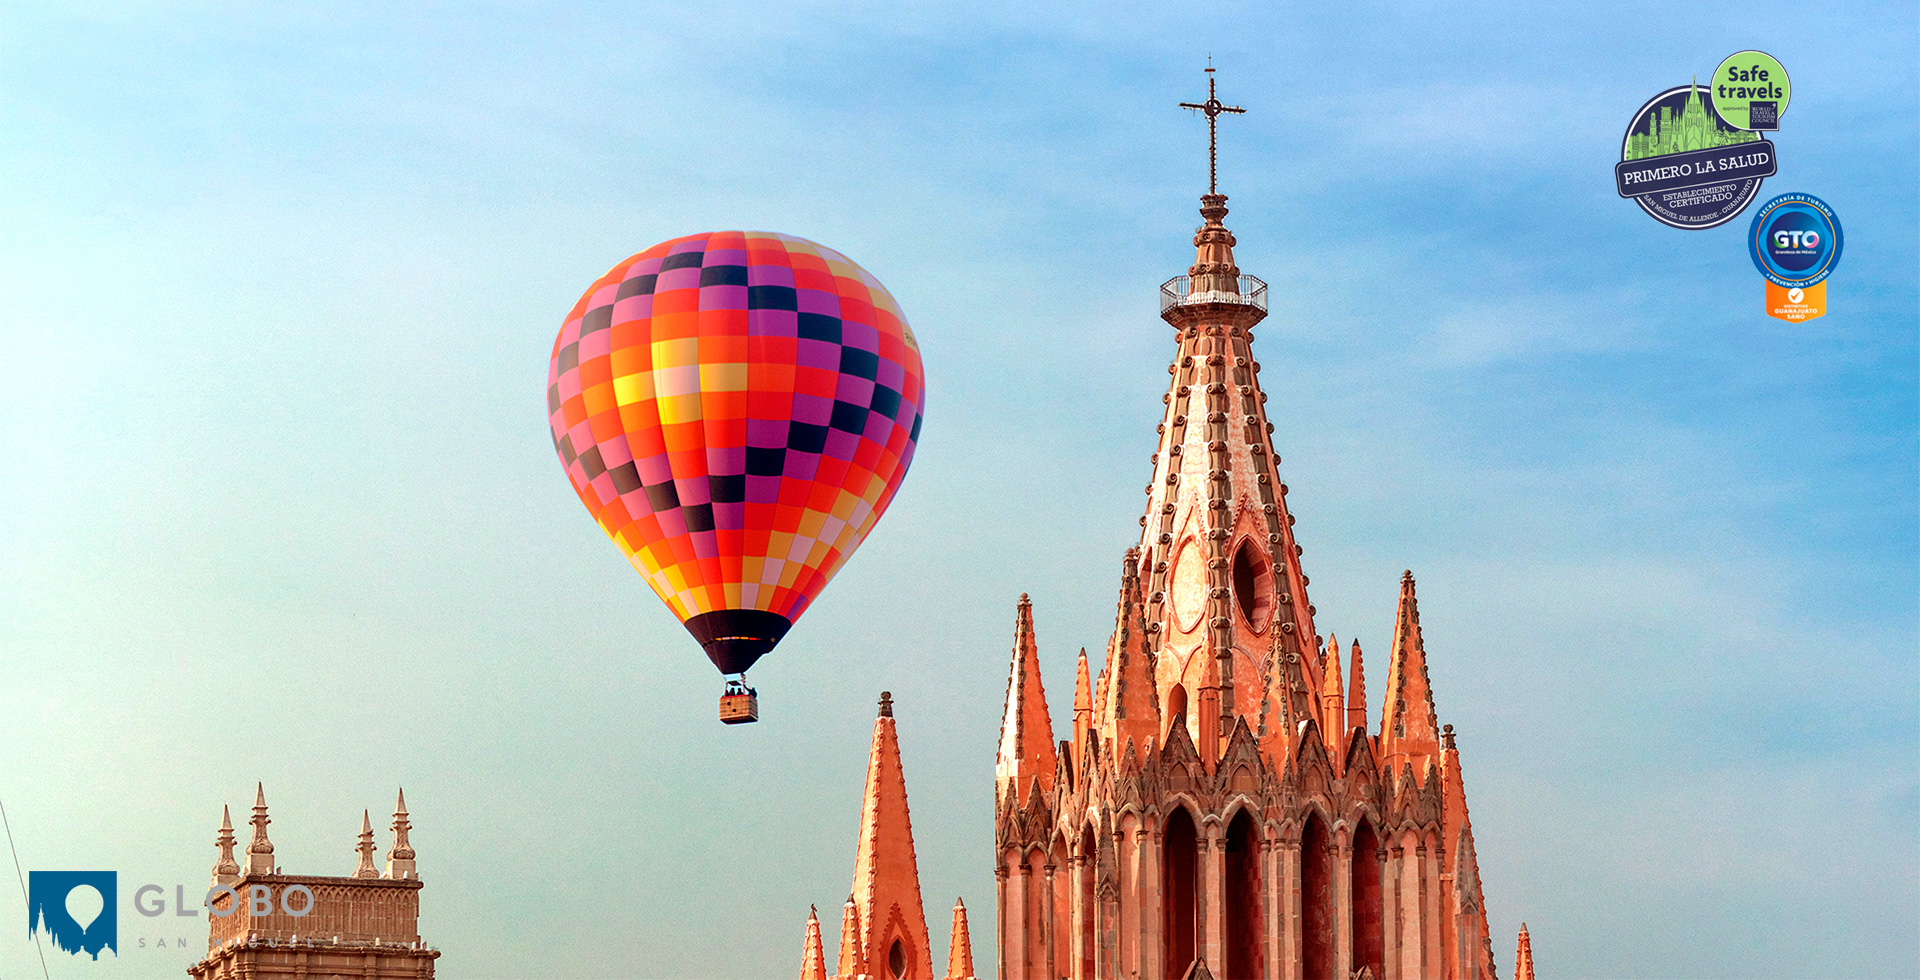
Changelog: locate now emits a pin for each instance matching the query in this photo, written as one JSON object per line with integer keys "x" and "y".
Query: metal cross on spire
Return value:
{"x": 1213, "y": 108}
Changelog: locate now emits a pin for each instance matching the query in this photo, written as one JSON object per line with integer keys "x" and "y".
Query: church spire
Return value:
{"x": 1356, "y": 690}
{"x": 813, "y": 959}
{"x": 1026, "y": 733}
{"x": 1523, "y": 957}
{"x": 260, "y": 849}
{"x": 853, "y": 956}
{"x": 1224, "y": 591}
{"x": 886, "y": 878}
{"x": 1409, "y": 733}
{"x": 1082, "y": 712}
{"x": 960, "y": 950}
{"x": 1333, "y": 708}
{"x": 1130, "y": 712}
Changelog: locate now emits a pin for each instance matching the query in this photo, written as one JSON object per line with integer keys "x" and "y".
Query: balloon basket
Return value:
{"x": 739, "y": 704}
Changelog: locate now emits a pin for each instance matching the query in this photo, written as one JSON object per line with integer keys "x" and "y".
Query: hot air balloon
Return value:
{"x": 736, "y": 410}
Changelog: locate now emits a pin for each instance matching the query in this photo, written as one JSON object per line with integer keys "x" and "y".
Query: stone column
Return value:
{"x": 1147, "y": 889}
{"x": 1049, "y": 941}
{"x": 1424, "y": 928}
{"x": 1000, "y": 919}
{"x": 1019, "y": 910}
{"x": 1391, "y": 913}
{"x": 1077, "y": 946}
{"x": 1290, "y": 926}
{"x": 1210, "y": 940}
{"x": 1343, "y": 902}
{"x": 1269, "y": 909}
{"x": 1126, "y": 869}
{"x": 1106, "y": 916}
{"x": 1436, "y": 893}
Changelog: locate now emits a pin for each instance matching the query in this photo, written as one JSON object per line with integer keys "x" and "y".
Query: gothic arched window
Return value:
{"x": 1252, "y": 585}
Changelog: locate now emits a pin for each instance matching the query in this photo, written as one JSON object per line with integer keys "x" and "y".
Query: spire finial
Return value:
{"x": 400, "y": 857}
{"x": 225, "y": 871}
{"x": 813, "y": 959}
{"x": 1213, "y": 108}
{"x": 365, "y": 867}
{"x": 960, "y": 947}
{"x": 886, "y": 704}
{"x": 853, "y": 959}
{"x": 1523, "y": 963}
{"x": 260, "y": 849}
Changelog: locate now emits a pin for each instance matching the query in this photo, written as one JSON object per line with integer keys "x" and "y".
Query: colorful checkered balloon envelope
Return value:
{"x": 736, "y": 409}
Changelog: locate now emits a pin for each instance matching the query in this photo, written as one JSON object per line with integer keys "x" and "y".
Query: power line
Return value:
{"x": 22, "y": 878}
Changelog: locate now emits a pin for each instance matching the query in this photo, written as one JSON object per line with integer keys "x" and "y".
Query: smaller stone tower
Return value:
{"x": 264, "y": 925}
{"x": 883, "y": 926}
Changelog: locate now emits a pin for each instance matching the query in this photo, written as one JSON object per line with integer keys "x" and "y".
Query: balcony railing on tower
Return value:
{"x": 1175, "y": 292}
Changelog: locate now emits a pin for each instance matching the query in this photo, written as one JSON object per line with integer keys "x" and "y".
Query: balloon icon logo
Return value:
{"x": 84, "y": 903}
{"x": 736, "y": 409}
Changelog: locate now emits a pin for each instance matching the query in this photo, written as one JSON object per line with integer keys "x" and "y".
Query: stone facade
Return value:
{"x": 272, "y": 925}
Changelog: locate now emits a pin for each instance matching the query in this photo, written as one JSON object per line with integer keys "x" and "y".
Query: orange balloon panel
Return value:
{"x": 736, "y": 410}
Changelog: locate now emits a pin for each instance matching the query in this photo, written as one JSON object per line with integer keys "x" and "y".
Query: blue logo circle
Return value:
{"x": 1795, "y": 240}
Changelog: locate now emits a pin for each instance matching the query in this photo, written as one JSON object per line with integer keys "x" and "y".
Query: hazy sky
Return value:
{"x": 278, "y": 500}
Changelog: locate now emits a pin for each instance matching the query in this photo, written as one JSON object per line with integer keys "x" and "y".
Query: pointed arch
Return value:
{"x": 1253, "y": 585}
{"x": 897, "y": 960}
{"x": 1238, "y": 806}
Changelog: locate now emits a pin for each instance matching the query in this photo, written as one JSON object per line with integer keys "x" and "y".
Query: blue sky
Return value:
{"x": 280, "y": 282}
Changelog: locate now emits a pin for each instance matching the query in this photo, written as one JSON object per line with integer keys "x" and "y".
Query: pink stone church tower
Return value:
{"x": 1219, "y": 804}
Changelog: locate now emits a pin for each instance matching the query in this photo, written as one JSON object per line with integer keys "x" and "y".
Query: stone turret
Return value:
{"x": 883, "y": 928}
{"x": 265, "y": 924}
